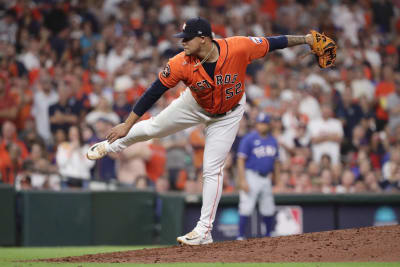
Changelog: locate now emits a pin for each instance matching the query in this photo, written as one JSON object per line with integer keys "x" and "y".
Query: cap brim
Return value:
{"x": 182, "y": 35}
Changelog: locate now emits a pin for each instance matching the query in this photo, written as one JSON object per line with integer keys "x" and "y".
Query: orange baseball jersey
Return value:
{"x": 222, "y": 92}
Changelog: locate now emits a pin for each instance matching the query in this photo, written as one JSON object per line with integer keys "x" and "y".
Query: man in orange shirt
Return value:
{"x": 213, "y": 71}
{"x": 155, "y": 165}
{"x": 10, "y": 163}
{"x": 9, "y": 135}
{"x": 383, "y": 90}
{"x": 8, "y": 103}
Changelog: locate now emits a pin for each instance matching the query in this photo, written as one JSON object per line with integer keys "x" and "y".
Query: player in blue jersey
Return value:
{"x": 257, "y": 166}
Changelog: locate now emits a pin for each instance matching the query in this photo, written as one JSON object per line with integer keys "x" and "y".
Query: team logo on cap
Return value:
{"x": 256, "y": 40}
{"x": 184, "y": 26}
{"x": 166, "y": 71}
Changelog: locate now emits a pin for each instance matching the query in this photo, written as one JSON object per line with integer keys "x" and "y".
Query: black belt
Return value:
{"x": 263, "y": 174}
{"x": 221, "y": 114}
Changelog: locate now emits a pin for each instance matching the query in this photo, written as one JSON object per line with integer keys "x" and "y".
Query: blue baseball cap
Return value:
{"x": 195, "y": 27}
{"x": 263, "y": 118}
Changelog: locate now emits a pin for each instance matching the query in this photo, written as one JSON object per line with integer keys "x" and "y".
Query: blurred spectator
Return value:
{"x": 337, "y": 172}
{"x": 162, "y": 185}
{"x": 132, "y": 163}
{"x": 71, "y": 158}
{"x": 282, "y": 184}
{"x": 100, "y": 90}
{"x": 9, "y": 136}
{"x": 105, "y": 169}
{"x": 314, "y": 170}
{"x": 197, "y": 142}
{"x": 302, "y": 141}
{"x": 121, "y": 106}
{"x": 347, "y": 183}
{"x": 141, "y": 182}
{"x": 255, "y": 90}
{"x": 326, "y": 135}
{"x": 118, "y": 55}
{"x": 88, "y": 134}
{"x": 56, "y": 18}
{"x": 393, "y": 138}
{"x": 376, "y": 151}
{"x": 29, "y": 135}
{"x": 23, "y": 181}
{"x": 8, "y": 103}
{"x": 383, "y": 13}
{"x": 64, "y": 113}
{"x": 353, "y": 146}
{"x": 304, "y": 185}
{"x": 359, "y": 187}
{"x": 350, "y": 113}
{"x": 393, "y": 186}
{"x": 277, "y": 128}
{"x": 290, "y": 104}
{"x": 297, "y": 167}
{"x": 243, "y": 129}
{"x": 393, "y": 106}
{"x": 37, "y": 171}
{"x": 101, "y": 58}
{"x": 10, "y": 64}
{"x": 390, "y": 169}
{"x": 193, "y": 186}
{"x": 102, "y": 111}
{"x": 229, "y": 174}
{"x": 361, "y": 86}
{"x": 350, "y": 18}
{"x": 177, "y": 156}
{"x": 271, "y": 103}
{"x": 309, "y": 105}
{"x": 44, "y": 97}
{"x": 8, "y": 27}
{"x": 326, "y": 162}
{"x": 88, "y": 41}
{"x": 326, "y": 183}
{"x": 30, "y": 57}
{"x": 25, "y": 101}
{"x": 10, "y": 162}
{"x": 383, "y": 89}
{"x": 372, "y": 183}
{"x": 155, "y": 164}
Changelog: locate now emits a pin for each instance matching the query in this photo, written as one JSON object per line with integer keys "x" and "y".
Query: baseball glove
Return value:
{"x": 324, "y": 48}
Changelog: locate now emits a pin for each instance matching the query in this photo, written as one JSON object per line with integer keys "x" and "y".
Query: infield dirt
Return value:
{"x": 377, "y": 244}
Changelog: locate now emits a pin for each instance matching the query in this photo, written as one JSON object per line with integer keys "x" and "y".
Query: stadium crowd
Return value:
{"x": 71, "y": 70}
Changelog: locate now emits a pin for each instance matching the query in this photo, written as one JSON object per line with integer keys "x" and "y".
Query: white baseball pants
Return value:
{"x": 260, "y": 189}
{"x": 182, "y": 113}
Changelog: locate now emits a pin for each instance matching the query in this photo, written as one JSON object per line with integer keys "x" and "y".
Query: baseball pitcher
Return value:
{"x": 213, "y": 71}
{"x": 257, "y": 160}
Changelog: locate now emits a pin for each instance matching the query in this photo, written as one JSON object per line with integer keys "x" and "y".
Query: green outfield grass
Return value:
{"x": 8, "y": 256}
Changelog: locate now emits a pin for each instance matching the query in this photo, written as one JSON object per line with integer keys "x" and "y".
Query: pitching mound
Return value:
{"x": 380, "y": 244}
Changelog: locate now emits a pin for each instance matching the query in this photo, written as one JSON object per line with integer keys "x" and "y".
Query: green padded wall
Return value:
{"x": 56, "y": 219}
{"x": 123, "y": 218}
{"x": 171, "y": 217}
{"x": 7, "y": 216}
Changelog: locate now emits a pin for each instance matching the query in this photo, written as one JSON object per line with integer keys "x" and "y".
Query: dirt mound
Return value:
{"x": 380, "y": 244}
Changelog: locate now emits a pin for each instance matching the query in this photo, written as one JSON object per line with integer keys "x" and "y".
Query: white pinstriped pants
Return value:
{"x": 182, "y": 113}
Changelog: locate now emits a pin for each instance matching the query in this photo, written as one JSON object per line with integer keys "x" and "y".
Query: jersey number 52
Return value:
{"x": 232, "y": 91}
